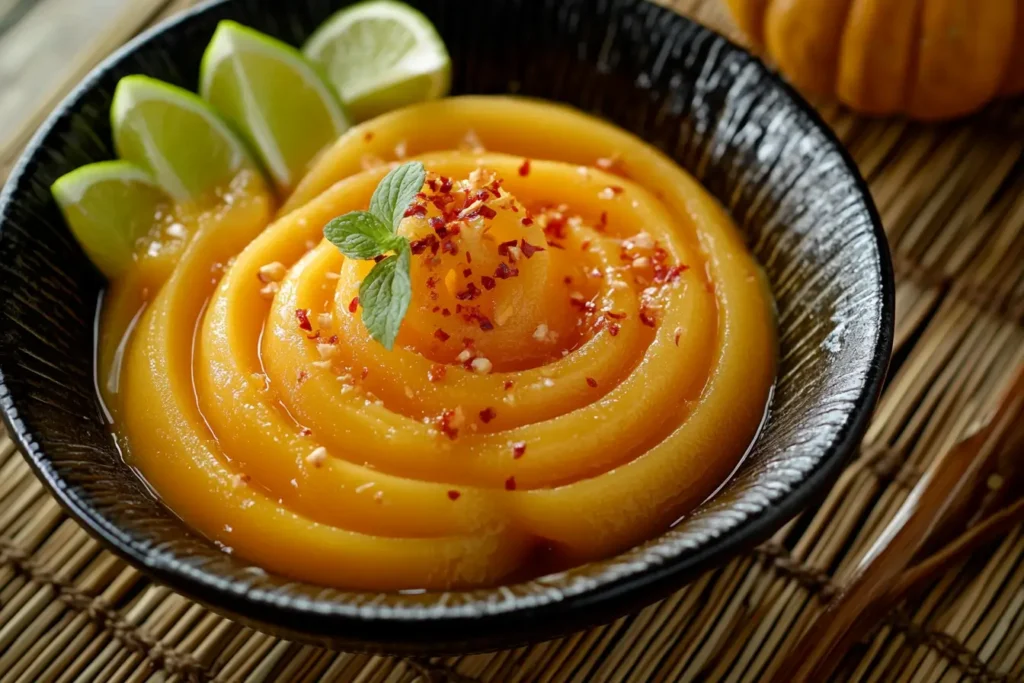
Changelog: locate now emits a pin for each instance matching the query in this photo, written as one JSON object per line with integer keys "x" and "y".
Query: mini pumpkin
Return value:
{"x": 929, "y": 59}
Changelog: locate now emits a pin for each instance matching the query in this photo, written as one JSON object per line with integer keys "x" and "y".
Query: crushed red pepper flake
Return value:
{"x": 567, "y": 280}
{"x": 437, "y": 372}
{"x": 616, "y": 316}
{"x": 453, "y": 495}
{"x": 503, "y": 272}
{"x": 442, "y": 335}
{"x": 524, "y": 170}
{"x": 527, "y": 221}
{"x": 466, "y": 272}
{"x": 488, "y": 282}
{"x": 302, "y": 315}
{"x": 315, "y": 335}
{"x": 679, "y": 333}
{"x": 449, "y": 424}
{"x": 469, "y": 293}
{"x": 518, "y": 449}
{"x": 585, "y": 245}
{"x": 505, "y": 246}
{"x": 528, "y": 249}
{"x": 469, "y": 257}
{"x": 364, "y": 373}
{"x": 510, "y": 484}
{"x": 604, "y": 220}
{"x": 556, "y": 245}
{"x": 647, "y": 318}
{"x": 415, "y": 210}
{"x": 486, "y": 212}
{"x": 613, "y": 329}
{"x": 305, "y": 431}
{"x": 353, "y": 305}
{"x": 508, "y": 384}
{"x": 591, "y": 382}
{"x": 445, "y": 312}
{"x": 487, "y": 414}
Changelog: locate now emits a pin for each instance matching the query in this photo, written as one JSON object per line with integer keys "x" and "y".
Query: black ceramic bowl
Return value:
{"x": 715, "y": 109}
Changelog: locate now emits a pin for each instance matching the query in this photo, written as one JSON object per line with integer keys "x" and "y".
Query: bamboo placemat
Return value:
{"x": 952, "y": 199}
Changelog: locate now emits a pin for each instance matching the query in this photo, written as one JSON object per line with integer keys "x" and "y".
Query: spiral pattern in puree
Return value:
{"x": 588, "y": 354}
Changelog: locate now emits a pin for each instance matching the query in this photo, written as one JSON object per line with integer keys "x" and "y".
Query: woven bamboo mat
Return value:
{"x": 952, "y": 198}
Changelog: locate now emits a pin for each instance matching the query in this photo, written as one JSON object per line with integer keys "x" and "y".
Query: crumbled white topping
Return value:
{"x": 641, "y": 262}
{"x": 327, "y": 351}
{"x": 318, "y": 457}
{"x": 269, "y": 290}
{"x": 271, "y": 272}
{"x": 482, "y": 365}
{"x": 541, "y": 333}
{"x": 324, "y": 320}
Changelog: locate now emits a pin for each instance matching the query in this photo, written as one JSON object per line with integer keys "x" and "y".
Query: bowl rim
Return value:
{"x": 371, "y": 628}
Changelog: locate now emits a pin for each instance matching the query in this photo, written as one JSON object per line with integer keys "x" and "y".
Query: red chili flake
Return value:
{"x": 678, "y": 334}
{"x": 488, "y": 282}
{"x": 503, "y": 272}
{"x": 469, "y": 293}
{"x": 646, "y": 318}
{"x": 305, "y": 431}
{"x": 616, "y": 189}
{"x": 556, "y": 245}
{"x": 435, "y": 309}
{"x": 445, "y": 312}
{"x": 555, "y": 228}
{"x": 591, "y": 382}
{"x": 436, "y": 223}
{"x": 524, "y": 170}
{"x": 453, "y": 495}
{"x": 487, "y": 414}
{"x": 446, "y": 185}
{"x": 432, "y": 281}
{"x": 616, "y": 316}
{"x": 613, "y": 329}
{"x": 415, "y": 210}
{"x": 466, "y": 272}
{"x": 302, "y": 315}
{"x": 448, "y": 247}
{"x": 495, "y": 187}
{"x": 567, "y": 280}
{"x": 528, "y": 249}
{"x": 364, "y": 373}
{"x": 485, "y": 323}
{"x": 458, "y": 308}
{"x": 437, "y": 372}
{"x": 508, "y": 384}
{"x": 442, "y": 335}
{"x": 659, "y": 255}
{"x": 421, "y": 245}
{"x": 510, "y": 484}
{"x": 302, "y": 376}
{"x": 445, "y": 425}
{"x": 353, "y": 305}
{"x": 504, "y": 247}
{"x": 518, "y": 449}
{"x": 333, "y": 339}
{"x": 487, "y": 212}
{"x": 432, "y": 184}
{"x": 315, "y": 335}
{"x": 379, "y": 258}
{"x": 368, "y": 135}
{"x": 584, "y": 245}
{"x": 604, "y": 220}
{"x": 478, "y": 196}
{"x": 469, "y": 257}
{"x": 527, "y": 221}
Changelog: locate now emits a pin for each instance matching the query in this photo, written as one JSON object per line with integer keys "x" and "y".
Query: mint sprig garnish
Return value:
{"x": 366, "y": 235}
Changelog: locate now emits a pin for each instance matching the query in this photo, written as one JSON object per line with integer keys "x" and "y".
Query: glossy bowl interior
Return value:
{"x": 752, "y": 142}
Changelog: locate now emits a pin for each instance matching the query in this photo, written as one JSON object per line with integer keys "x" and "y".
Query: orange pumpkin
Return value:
{"x": 929, "y": 59}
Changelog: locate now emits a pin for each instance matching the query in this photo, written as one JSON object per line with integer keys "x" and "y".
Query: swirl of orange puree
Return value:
{"x": 587, "y": 355}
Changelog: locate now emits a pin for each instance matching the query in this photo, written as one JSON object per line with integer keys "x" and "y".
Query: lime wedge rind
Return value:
{"x": 108, "y": 205}
{"x": 244, "y": 56}
{"x": 175, "y": 165}
{"x": 344, "y": 48}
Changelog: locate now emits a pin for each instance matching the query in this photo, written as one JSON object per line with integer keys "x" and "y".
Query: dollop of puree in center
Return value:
{"x": 586, "y": 357}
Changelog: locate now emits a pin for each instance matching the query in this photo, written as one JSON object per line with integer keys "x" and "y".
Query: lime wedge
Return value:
{"x": 381, "y": 55}
{"x": 109, "y": 205}
{"x": 175, "y": 136}
{"x": 275, "y": 97}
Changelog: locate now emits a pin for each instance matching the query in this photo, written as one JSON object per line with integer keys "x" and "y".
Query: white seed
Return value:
{"x": 318, "y": 457}
{"x": 641, "y": 262}
{"x": 541, "y": 333}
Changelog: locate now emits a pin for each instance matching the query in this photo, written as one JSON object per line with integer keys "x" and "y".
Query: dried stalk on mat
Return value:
{"x": 952, "y": 479}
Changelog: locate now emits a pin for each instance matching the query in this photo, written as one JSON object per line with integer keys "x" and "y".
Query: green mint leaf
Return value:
{"x": 384, "y": 295}
{"x": 359, "y": 235}
{"x": 396, "y": 191}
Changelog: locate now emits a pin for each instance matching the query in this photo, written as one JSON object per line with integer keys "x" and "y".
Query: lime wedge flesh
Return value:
{"x": 175, "y": 136}
{"x": 109, "y": 205}
{"x": 381, "y": 55}
{"x": 274, "y": 96}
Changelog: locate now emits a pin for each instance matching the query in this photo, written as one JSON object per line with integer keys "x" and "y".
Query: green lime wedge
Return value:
{"x": 109, "y": 205}
{"x": 381, "y": 55}
{"x": 274, "y": 96}
{"x": 175, "y": 136}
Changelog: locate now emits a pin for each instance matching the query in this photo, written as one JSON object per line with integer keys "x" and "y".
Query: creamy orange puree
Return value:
{"x": 588, "y": 354}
